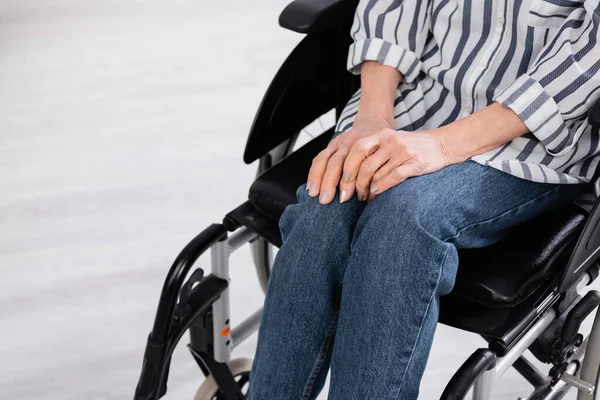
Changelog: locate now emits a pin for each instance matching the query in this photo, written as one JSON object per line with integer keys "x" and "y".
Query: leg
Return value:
{"x": 300, "y": 313}
{"x": 404, "y": 257}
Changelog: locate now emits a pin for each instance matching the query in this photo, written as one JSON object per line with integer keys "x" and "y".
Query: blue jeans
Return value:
{"x": 356, "y": 286}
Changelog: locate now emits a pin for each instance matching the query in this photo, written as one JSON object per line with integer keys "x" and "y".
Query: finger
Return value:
{"x": 359, "y": 152}
{"x": 318, "y": 167}
{"x": 332, "y": 176}
{"x": 383, "y": 171}
{"x": 367, "y": 169}
{"x": 394, "y": 162}
{"x": 395, "y": 177}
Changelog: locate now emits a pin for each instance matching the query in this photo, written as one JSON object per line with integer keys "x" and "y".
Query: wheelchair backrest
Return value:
{"x": 312, "y": 81}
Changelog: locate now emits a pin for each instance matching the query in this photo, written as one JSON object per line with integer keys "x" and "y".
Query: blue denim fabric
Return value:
{"x": 356, "y": 286}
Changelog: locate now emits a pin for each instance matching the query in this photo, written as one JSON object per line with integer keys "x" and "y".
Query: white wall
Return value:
{"x": 122, "y": 125}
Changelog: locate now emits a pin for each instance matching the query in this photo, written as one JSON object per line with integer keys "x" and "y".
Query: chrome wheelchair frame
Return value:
{"x": 314, "y": 75}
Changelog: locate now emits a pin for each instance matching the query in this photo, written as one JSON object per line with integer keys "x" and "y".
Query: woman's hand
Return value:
{"x": 326, "y": 170}
{"x": 376, "y": 163}
{"x": 378, "y": 91}
{"x": 384, "y": 160}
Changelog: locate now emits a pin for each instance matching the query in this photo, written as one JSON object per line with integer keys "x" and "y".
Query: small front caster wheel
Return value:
{"x": 240, "y": 369}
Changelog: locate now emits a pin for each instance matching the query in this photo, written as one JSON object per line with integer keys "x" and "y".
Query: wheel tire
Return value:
{"x": 590, "y": 368}
{"x": 240, "y": 369}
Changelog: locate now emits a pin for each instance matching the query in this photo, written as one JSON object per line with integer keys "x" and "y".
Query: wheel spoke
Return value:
{"x": 243, "y": 380}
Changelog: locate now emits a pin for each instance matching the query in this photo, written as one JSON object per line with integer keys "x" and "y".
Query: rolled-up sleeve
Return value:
{"x": 390, "y": 32}
{"x": 563, "y": 82}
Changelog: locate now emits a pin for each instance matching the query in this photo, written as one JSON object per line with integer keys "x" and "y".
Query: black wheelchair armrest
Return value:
{"x": 479, "y": 362}
{"x": 310, "y": 16}
{"x": 594, "y": 115}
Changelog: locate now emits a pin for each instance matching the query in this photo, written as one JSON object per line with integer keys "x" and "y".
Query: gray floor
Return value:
{"x": 122, "y": 126}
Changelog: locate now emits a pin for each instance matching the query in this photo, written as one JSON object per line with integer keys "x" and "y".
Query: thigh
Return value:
{"x": 466, "y": 204}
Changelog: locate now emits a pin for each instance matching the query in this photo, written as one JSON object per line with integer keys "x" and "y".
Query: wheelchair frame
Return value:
{"x": 204, "y": 307}
{"x": 201, "y": 305}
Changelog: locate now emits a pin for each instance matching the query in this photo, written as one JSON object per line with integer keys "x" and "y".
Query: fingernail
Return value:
{"x": 347, "y": 177}
{"x": 374, "y": 189}
{"x": 312, "y": 192}
{"x": 359, "y": 197}
{"x": 323, "y": 197}
{"x": 343, "y": 195}
{"x": 307, "y": 186}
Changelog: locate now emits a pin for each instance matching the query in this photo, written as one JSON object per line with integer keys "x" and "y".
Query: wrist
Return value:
{"x": 450, "y": 144}
{"x": 480, "y": 132}
{"x": 376, "y": 112}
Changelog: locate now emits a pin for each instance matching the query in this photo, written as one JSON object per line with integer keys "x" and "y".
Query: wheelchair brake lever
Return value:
{"x": 182, "y": 306}
{"x": 578, "y": 314}
{"x": 570, "y": 340}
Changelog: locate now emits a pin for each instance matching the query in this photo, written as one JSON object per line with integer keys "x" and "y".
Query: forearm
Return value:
{"x": 378, "y": 91}
{"x": 482, "y": 131}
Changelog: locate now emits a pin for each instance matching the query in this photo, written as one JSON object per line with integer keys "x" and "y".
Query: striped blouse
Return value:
{"x": 540, "y": 58}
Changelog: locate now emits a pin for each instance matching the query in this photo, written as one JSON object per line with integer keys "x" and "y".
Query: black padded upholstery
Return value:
{"x": 498, "y": 276}
{"x": 276, "y": 188}
{"x": 507, "y": 272}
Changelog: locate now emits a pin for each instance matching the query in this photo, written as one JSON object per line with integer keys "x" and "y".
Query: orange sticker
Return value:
{"x": 226, "y": 331}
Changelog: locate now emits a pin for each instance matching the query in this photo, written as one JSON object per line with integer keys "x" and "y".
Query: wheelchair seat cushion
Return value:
{"x": 507, "y": 272}
{"x": 498, "y": 276}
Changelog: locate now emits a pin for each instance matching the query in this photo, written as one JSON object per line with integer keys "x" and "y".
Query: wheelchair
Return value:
{"x": 522, "y": 293}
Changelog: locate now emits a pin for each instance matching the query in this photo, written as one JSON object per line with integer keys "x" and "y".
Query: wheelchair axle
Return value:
{"x": 580, "y": 384}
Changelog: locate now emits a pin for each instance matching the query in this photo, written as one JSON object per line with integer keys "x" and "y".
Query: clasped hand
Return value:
{"x": 371, "y": 163}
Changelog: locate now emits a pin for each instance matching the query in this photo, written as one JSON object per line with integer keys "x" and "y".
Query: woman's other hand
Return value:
{"x": 379, "y": 84}
{"x": 326, "y": 170}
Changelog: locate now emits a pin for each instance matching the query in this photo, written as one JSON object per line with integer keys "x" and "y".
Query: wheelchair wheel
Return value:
{"x": 240, "y": 369}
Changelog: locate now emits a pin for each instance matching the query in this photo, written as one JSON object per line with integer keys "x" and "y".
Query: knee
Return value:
{"x": 400, "y": 236}
{"x": 316, "y": 240}
{"x": 310, "y": 220}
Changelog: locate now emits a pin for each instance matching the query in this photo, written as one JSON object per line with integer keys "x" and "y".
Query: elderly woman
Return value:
{"x": 470, "y": 120}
